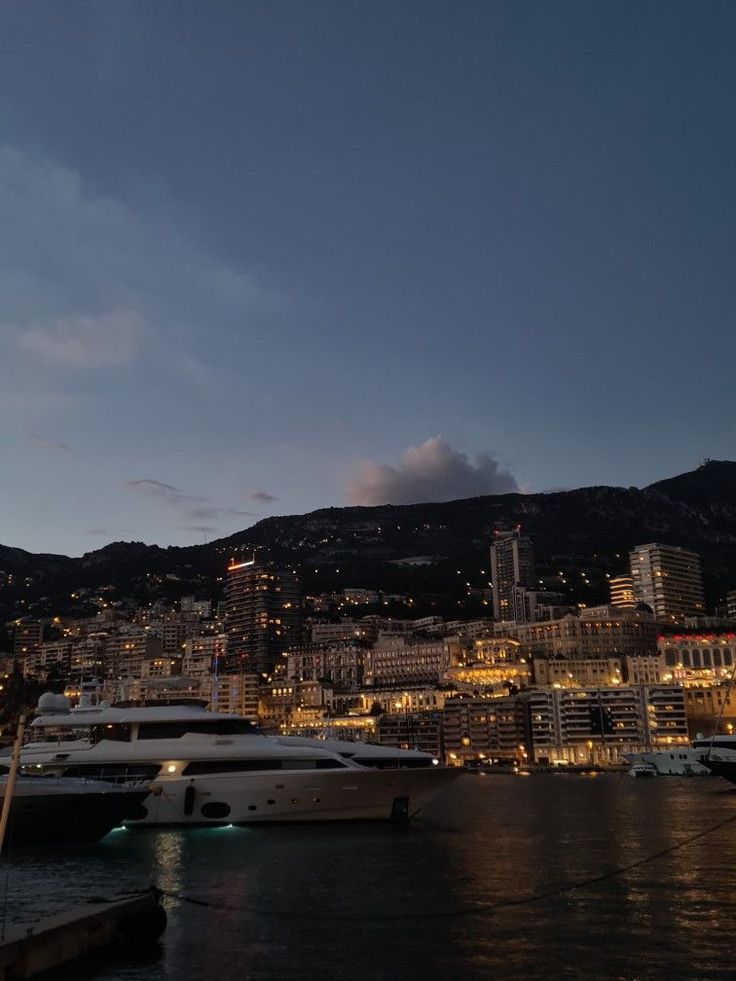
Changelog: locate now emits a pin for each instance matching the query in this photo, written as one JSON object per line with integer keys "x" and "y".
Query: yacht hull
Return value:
{"x": 721, "y": 768}
{"x": 282, "y": 798}
{"x": 61, "y": 815}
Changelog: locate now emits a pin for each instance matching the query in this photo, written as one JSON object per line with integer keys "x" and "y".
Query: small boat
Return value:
{"x": 643, "y": 770}
{"x": 67, "y": 811}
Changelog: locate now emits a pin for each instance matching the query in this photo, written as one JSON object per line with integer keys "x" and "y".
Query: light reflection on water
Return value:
{"x": 376, "y": 902}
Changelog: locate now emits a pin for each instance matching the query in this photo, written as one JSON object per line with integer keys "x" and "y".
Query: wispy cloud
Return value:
{"x": 190, "y": 508}
{"x": 260, "y": 497}
{"x": 49, "y": 444}
{"x": 88, "y": 282}
{"x": 166, "y": 492}
{"x": 432, "y": 471}
{"x": 106, "y": 341}
{"x": 203, "y": 513}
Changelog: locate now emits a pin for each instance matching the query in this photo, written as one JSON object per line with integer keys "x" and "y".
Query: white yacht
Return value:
{"x": 214, "y": 768}
{"x": 680, "y": 761}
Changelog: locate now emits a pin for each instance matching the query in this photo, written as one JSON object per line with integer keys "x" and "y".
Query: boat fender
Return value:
{"x": 189, "y": 794}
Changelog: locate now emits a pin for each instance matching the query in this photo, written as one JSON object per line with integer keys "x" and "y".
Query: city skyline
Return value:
{"x": 277, "y": 259}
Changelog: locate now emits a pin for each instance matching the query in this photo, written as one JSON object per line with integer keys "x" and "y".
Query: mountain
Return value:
{"x": 430, "y": 552}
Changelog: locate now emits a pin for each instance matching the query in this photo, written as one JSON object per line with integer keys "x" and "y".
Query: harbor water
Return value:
{"x": 447, "y": 897}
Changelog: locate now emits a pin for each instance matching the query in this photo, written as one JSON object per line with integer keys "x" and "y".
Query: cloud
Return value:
{"x": 49, "y": 444}
{"x": 261, "y": 497}
{"x": 167, "y": 492}
{"x": 181, "y": 502}
{"x": 90, "y": 282}
{"x": 432, "y": 471}
{"x": 109, "y": 340}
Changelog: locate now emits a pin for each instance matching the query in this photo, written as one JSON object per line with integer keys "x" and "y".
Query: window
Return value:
{"x": 116, "y": 772}
{"x": 118, "y": 733}
{"x": 200, "y": 767}
{"x": 215, "y": 727}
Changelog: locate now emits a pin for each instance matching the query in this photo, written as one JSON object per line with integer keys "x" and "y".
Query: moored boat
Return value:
{"x": 67, "y": 811}
{"x": 215, "y": 768}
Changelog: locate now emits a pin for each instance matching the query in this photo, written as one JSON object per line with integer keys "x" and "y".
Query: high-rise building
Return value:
{"x": 731, "y": 603}
{"x": 512, "y": 564}
{"x": 668, "y": 579}
{"x": 263, "y": 615}
{"x": 622, "y": 592}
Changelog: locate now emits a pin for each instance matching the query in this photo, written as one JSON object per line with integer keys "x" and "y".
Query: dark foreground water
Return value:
{"x": 375, "y": 902}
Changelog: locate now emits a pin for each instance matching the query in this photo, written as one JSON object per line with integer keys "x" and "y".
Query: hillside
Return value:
{"x": 581, "y": 531}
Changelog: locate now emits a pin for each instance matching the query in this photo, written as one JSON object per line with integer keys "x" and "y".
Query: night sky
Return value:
{"x": 258, "y": 258}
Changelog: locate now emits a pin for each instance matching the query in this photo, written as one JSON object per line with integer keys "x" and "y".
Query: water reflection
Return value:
{"x": 371, "y": 902}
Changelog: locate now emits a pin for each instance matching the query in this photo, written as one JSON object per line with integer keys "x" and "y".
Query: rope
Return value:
{"x": 482, "y": 908}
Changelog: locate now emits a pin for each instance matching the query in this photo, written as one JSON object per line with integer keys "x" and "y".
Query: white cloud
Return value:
{"x": 109, "y": 340}
{"x": 81, "y": 274}
{"x": 432, "y": 471}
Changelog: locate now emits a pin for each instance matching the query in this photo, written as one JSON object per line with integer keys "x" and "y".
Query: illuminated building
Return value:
{"x": 587, "y": 725}
{"x": 126, "y": 652}
{"x": 264, "y": 615}
{"x": 27, "y": 637}
{"x": 328, "y": 633}
{"x": 51, "y": 657}
{"x": 341, "y": 663}
{"x": 489, "y": 662}
{"x": 407, "y": 660}
{"x": 577, "y": 672}
{"x": 625, "y": 633}
{"x": 236, "y": 693}
{"x": 622, "y": 592}
{"x": 708, "y": 707}
{"x": 668, "y": 580}
{"x": 200, "y": 655}
{"x": 423, "y": 731}
{"x": 731, "y": 604}
{"x": 512, "y": 564}
{"x": 697, "y": 659}
{"x": 484, "y": 729}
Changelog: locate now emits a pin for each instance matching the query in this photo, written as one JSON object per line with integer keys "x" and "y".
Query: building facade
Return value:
{"x": 668, "y": 579}
{"x": 264, "y": 616}
{"x": 512, "y": 565}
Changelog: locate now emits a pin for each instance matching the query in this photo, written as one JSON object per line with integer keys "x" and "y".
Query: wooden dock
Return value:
{"x": 31, "y": 948}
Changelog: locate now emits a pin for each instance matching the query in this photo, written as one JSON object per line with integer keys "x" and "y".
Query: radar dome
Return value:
{"x": 50, "y": 702}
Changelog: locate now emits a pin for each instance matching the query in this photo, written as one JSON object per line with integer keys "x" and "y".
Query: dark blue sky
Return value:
{"x": 335, "y": 251}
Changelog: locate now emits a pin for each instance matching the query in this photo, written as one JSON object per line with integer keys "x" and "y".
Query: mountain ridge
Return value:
{"x": 578, "y": 534}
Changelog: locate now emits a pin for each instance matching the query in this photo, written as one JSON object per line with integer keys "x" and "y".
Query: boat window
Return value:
{"x": 115, "y": 731}
{"x": 260, "y": 763}
{"x": 319, "y": 764}
{"x": 116, "y": 772}
{"x": 228, "y": 766}
{"x": 392, "y": 762}
{"x": 175, "y": 730}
